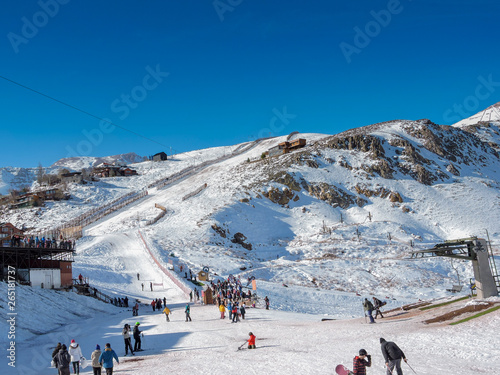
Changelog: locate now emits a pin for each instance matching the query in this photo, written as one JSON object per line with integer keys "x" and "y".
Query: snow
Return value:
{"x": 327, "y": 273}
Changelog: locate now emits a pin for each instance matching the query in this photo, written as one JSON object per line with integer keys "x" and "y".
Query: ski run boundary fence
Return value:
{"x": 183, "y": 287}
{"x": 193, "y": 193}
{"x": 93, "y": 215}
{"x": 159, "y": 216}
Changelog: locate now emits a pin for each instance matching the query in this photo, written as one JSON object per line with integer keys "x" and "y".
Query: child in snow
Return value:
{"x": 251, "y": 341}
{"x": 76, "y": 355}
{"x": 222, "y": 309}
{"x": 96, "y": 366}
{"x": 361, "y": 362}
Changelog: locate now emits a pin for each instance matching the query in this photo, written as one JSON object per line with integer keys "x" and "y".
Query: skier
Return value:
{"x": 392, "y": 355}
{"x": 368, "y": 306}
{"x": 266, "y": 300}
{"x": 106, "y": 358}
{"x": 361, "y": 362}
{"x": 251, "y": 341}
{"x": 137, "y": 337}
{"x": 127, "y": 340}
{"x": 76, "y": 354}
{"x": 96, "y": 366}
{"x": 166, "y": 311}
{"x": 63, "y": 360}
{"x": 378, "y": 304}
{"x": 188, "y": 312}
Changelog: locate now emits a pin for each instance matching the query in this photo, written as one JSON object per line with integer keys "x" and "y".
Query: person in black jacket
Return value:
{"x": 63, "y": 360}
{"x": 392, "y": 355}
{"x": 54, "y": 353}
{"x": 137, "y": 337}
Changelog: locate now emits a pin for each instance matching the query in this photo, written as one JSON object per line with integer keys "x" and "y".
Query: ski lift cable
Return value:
{"x": 78, "y": 109}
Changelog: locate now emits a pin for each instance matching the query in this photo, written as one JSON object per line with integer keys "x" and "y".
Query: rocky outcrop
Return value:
{"x": 334, "y": 195}
{"x": 278, "y": 196}
{"x": 240, "y": 238}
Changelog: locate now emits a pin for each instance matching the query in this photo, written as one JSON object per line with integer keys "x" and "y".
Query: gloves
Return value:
{"x": 369, "y": 356}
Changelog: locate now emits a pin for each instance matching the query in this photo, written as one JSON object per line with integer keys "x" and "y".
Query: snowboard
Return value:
{"x": 342, "y": 370}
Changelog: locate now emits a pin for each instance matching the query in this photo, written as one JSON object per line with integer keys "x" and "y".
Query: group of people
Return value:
{"x": 49, "y": 243}
{"x": 392, "y": 357}
{"x": 235, "y": 310}
{"x": 156, "y": 304}
{"x": 63, "y": 358}
{"x": 370, "y": 307}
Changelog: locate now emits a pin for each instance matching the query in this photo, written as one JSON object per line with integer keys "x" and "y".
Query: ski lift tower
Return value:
{"x": 476, "y": 250}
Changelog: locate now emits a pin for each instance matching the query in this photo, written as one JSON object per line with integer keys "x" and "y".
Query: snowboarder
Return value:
{"x": 166, "y": 311}
{"x": 127, "y": 340}
{"x": 266, "y": 300}
{"x": 251, "y": 341}
{"x": 63, "y": 360}
{"x": 360, "y": 362}
{"x": 378, "y": 304}
{"x": 96, "y": 366}
{"x": 368, "y": 307}
{"x": 76, "y": 354}
{"x": 187, "y": 310}
{"x": 392, "y": 355}
{"x": 106, "y": 358}
{"x": 137, "y": 337}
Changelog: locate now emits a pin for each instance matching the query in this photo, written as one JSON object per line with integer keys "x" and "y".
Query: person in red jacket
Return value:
{"x": 361, "y": 362}
{"x": 251, "y": 341}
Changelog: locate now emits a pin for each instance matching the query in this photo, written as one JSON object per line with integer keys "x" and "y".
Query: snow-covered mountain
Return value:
{"x": 490, "y": 114}
{"x": 362, "y": 199}
{"x": 77, "y": 163}
{"x": 320, "y": 228}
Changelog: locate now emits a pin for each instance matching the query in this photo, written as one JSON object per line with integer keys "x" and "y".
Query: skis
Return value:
{"x": 342, "y": 370}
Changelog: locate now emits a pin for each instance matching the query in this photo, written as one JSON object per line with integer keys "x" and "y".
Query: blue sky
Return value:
{"x": 186, "y": 75}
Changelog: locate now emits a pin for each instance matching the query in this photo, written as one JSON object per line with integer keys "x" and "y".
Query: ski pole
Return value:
{"x": 410, "y": 366}
{"x": 388, "y": 368}
{"x": 242, "y": 345}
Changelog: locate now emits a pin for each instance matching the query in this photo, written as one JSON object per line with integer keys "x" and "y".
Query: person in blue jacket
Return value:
{"x": 106, "y": 359}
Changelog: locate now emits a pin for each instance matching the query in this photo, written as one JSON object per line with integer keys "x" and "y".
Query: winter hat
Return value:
{"x": 63, "y": 347}
{"x": 97, "y": 347}
{"x": 382, "y": 340}
{"x": 362, "y": 352}
{"x": 137, "y": 324}
{"x": 250, "y": 334}
{"x": 72, "y": 341}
